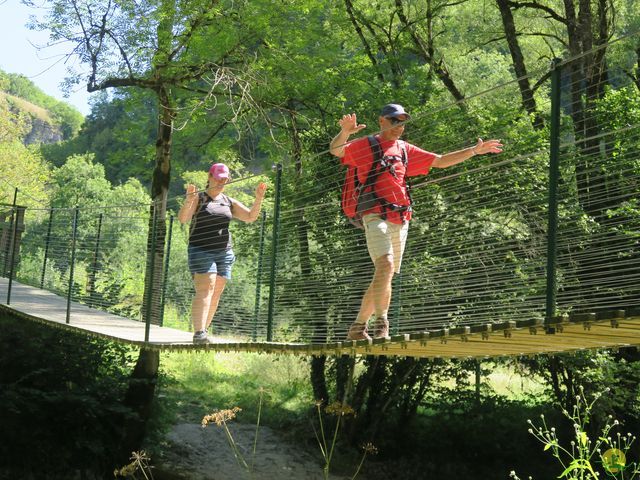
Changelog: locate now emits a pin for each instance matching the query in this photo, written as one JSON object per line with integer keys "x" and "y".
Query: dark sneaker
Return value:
{"x": 381, "y": 329}
{"x": 358, "y": 331}
{"x": 200, "y": 337}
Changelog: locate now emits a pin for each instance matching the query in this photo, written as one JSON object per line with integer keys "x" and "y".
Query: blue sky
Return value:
{"x": 18, "y": 55}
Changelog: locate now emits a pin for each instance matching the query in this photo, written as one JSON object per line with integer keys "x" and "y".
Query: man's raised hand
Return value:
{"x": 350, "y": 125}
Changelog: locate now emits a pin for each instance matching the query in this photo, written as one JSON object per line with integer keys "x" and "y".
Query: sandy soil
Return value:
{"x": 197, "y": 453}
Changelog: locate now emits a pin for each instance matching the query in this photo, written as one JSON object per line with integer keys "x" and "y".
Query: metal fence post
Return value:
{"x": 74, "y": 236}
{"x": 46, "y": 248}
{"x": 147, "y": 323}
{"x": 554, "y": 176}
{"x": 274, "y": 252}
{"x": 94, "y": 264}
{"x": 165, "y": 275}
{"x": 254, "y": 335}
{"x": 14, "y": 239}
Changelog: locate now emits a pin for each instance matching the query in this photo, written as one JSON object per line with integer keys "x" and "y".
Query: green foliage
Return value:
{"x": 60, "y": 401}
{"x": 459, "y": 437}
{"x": 122, "y": 214}
{"x": 23, "y": 167}
{"x": 305, "y": 64}
{"x": 14, "y": 125}
{"x": 120, "y": 132}
{"x": 79, "y": 182}
{"x": 566, "y": 376}
{"x": 586, "y": 457}
{"x": 222, "y": 381}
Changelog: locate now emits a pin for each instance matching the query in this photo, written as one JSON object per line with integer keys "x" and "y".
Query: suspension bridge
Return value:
{"x": 532, "y": 252}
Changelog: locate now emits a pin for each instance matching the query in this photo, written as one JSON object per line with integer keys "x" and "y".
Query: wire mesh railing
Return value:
{"x": 490, "y": 240}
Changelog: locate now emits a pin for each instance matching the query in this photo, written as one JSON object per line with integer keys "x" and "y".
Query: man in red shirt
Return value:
{"x": 386, "y": 224}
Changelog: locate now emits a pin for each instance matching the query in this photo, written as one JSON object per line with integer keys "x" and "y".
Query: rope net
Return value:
{"x": 477, "y": 246}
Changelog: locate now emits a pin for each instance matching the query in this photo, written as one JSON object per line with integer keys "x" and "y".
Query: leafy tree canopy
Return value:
{"x": 23, "y": 167}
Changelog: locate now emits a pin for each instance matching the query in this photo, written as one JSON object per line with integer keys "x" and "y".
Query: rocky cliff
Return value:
{"x": 42, "y": 132}
{"x": 33, "y": 124}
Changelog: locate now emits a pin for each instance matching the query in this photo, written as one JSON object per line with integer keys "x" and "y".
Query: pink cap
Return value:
{"x": 219, "y": 170}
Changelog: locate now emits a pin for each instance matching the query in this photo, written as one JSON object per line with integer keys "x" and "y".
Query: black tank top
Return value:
{"x": 210, "y": 223}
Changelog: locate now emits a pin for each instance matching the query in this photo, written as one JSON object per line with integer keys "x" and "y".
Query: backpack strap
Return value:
{"x": 376, "y": 150}
{"x": 374, "y": 171}
{"x": 405, "y": 162}
{"x": 374, "y": 143}
{"x": 403, "y": 152}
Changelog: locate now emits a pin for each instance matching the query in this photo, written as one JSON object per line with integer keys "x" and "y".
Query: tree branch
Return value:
{"x": 122, "y": 82}
{"x": 537, "y": 6}
{"x": 363, "y": 39}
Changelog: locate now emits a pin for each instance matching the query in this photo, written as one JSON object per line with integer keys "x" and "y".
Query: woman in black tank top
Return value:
{"x": 210, "y": 247}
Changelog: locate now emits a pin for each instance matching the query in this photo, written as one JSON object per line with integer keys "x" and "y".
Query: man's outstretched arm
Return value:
{"x": 480, "y": 148}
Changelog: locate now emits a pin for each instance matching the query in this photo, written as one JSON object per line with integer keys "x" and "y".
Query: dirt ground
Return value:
{"x": 197, "y": 453}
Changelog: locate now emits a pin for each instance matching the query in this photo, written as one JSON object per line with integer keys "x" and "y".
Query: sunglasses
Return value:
{"x": 395, "y": 121}
{"x": 226, "y": 179}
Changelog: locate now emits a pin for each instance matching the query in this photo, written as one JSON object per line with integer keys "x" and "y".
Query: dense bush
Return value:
{"x": 60, "y": 402}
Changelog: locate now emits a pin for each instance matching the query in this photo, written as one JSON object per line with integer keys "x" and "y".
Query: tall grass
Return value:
{"x": 206, "y": 381}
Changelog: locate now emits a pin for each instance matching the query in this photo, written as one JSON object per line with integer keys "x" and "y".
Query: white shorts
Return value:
{"x": 385, "y": 238}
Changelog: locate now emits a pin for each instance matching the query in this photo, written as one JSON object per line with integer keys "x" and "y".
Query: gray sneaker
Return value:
{"x": 200, "y": 337}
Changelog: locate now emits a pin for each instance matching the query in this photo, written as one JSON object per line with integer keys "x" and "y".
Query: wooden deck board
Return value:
{"x": 517, "y": 339}
{"x": 42, "y": 305}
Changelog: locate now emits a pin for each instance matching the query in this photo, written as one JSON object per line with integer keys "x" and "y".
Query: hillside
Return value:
{"x": 36, "y": 123}
{"x": 35, "y": 117}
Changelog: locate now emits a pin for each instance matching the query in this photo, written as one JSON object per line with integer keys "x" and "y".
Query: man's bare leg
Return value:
{"x": 376, "y": 299}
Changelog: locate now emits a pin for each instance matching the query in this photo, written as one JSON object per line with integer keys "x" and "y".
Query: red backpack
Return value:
{"x": 359, "y": 197}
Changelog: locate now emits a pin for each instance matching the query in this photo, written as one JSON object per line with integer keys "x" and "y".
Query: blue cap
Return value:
{"x": 393, "y": 110}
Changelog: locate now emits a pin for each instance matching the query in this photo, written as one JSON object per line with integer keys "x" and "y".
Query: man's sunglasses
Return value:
{"x": 395, "y": 121}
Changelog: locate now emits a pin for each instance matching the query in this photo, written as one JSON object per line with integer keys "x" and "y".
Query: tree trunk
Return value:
{"x": 635, "y": 75}
{"x": 344, "y": 376}
{"x": 162, "y": 171}
{"x": 317, "y": 371}
{"x": 528, "y": 101}
{"x": 367, "y": 396}
{"x": 318, "y": 382}
{"x": 157, "y": 213}
{"x": 139, "y": 398}
{"x": 367, "y": 48}
{"x": 588, "y": 77}
{"x": 426, "y": 50}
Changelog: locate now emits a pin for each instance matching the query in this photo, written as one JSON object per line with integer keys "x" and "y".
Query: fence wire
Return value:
{"x": 477, "y": 246}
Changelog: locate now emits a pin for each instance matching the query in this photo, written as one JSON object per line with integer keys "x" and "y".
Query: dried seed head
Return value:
{"x": 369, "y": 448}
{"x": 339, "y": 409}
{"x": 220, "y": 417}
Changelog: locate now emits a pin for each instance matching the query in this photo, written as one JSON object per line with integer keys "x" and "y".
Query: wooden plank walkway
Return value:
{"x": 41, "y": 305}
{"x": 611, "y": 329}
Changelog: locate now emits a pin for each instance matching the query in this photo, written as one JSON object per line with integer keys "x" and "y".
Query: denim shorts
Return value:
{"x": 211, "y": 261}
